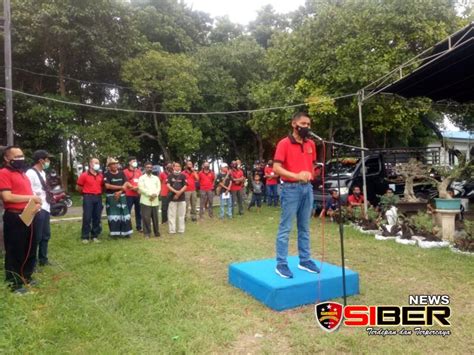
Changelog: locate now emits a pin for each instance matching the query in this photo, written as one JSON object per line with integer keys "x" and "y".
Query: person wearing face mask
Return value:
{"x": 294, "y": 161}
{"x": 41, "y": 223}
{"x": 118, "y": 215}
{"x": 90, "y": 185}
{"x": 238, "y": 179}
{"x": 16, "y": 192}
{"x": 149, "y": 186}
{"x": 131, "y": 192}
{"x": 190, "y": 193}
{"x": 177, "y": 184}
{"x": 164, "y": 192}
{"x": 271, "y": 185}
{"x": 206, "y": 183}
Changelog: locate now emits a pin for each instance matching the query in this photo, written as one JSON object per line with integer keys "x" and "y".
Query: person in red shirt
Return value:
{"x": 271, "y": 184}
{"x": 90, "y": 185}
{"x": 20, "y": 244}
{"x": 190, "y": 195}
{"x": 164, "y": 192}
{"x": 356, "y": 200}
{"x": 206, "y": 187}
{"x": 238, "y": 180}
{"x": 294, "y": 161}
{"x": 132, "y": 173}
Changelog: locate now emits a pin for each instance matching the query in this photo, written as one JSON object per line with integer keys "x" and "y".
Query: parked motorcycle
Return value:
{"x": 463, "y": 189}
{"x": 67, "y": 200}
{"x": 60, "y": 205}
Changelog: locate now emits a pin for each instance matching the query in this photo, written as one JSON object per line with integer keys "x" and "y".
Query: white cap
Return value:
{"x": 224, "y": 165}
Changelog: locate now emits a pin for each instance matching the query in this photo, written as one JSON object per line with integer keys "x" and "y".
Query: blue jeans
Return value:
{"x": 91, "y": 213}
{"x": 272, "y": 195}
{"x": 135, "y": 201}
{"x": 296, "y": 200}
{"x": 42, "y": 233}
{"x": 226, "y": 202}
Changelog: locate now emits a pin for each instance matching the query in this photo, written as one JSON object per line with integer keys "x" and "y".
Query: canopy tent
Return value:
{"x": 442, "y": 72}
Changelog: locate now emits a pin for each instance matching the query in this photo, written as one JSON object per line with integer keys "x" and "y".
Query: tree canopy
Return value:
{"x": 164, "y": 56}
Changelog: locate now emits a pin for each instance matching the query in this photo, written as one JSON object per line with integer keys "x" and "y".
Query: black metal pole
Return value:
{"x": 341, "y": 230}
{"x": 341, "y": 224}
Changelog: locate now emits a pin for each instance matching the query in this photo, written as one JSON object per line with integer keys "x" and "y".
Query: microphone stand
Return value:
{"x": 341, "y": 224}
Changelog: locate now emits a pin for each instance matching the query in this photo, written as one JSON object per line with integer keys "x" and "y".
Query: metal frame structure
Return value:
{"x": 454, "y": 41}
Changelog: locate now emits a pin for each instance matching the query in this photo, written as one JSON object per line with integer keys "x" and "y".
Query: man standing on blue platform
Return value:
{"x": 294, "y": 161}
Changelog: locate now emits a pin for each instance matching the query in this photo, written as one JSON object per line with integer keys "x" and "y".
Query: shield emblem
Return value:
{"x": 329, "y": 315}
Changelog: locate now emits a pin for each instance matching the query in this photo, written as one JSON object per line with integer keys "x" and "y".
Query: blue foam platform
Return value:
{"x": 258, "y": 278}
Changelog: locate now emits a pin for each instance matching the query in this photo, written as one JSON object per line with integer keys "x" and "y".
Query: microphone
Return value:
{"x": 314, "y": 135}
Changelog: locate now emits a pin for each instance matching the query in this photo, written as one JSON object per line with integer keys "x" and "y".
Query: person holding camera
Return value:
{"x": 223, "y": 190}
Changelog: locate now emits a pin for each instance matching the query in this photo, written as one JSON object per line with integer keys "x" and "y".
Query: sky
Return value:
{"x": 242, "y": 11}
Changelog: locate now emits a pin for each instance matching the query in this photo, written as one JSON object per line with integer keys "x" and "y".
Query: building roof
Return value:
{"x": 463, "y": 135}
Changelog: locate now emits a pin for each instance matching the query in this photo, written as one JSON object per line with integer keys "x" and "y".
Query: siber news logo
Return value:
{"x": 422, "y": 313}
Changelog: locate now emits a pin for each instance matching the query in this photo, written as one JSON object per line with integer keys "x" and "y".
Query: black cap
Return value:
{"x": 41, "y": 154}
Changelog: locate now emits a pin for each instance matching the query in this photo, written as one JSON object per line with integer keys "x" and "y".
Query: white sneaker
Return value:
{"x": 85, "y": 241}
{"x": 95, "y": 240}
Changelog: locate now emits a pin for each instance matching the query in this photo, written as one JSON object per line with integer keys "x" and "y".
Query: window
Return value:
{"x": 372, "y": 167}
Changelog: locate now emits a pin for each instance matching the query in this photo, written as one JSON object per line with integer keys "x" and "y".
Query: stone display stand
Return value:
{"x": 446, "y": 218}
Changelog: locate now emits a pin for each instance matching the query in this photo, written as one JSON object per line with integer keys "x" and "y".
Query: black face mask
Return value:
{"x": 303, "y": 131}
{"x": 18, "y": 164}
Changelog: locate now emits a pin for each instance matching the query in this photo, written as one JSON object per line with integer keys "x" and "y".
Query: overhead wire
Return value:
{"x": 170, "y": 113}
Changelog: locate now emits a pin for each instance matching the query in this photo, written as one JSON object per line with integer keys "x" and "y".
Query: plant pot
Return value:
{"x": 448, "y": 203}
{"x": 411, "y": 208}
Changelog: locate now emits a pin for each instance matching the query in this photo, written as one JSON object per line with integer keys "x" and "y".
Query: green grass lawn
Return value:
{"x": 171, "y": 295}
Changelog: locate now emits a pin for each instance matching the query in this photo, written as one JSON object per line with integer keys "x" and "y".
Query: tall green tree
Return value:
{"x": 164, "y": 82}
{"x": 341, "y": 46}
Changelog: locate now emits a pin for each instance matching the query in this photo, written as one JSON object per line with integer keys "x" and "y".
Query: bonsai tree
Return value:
{"x": 464, "y": 170}
{"x": 411, "y": 171}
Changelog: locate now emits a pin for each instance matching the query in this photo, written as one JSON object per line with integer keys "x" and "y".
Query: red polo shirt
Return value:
{"x": 132, "y": 177}
{"x": 295, "y": 157}
{"x": 191, "y": 180}
{"x": 270, "y": 181}
{"x": 352, "y": 199}
{"x": 18, "y": 183}
{"x": 164, "y": 180}
{"x": 206, "y": 180}
{"x": 236, "y": 174}
{"x": 91, "y": 184}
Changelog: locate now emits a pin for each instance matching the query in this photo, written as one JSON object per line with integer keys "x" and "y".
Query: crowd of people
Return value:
{"x": 285, "y": 180}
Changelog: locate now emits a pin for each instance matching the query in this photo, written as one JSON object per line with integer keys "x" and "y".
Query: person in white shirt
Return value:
{"x": 41, "y": 223}
{"x": 149, "y": 186}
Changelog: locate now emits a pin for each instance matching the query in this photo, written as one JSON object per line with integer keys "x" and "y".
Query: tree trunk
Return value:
{"x": 409, "y": 192}
{"x": 159, "y": 137}
{"x": 65, "y": 153}
{"x": 261, "y": 150}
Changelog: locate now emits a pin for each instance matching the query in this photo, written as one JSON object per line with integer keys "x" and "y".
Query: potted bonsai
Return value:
{"x": 412, "y": 171}
{"x": 464, "y": 170}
